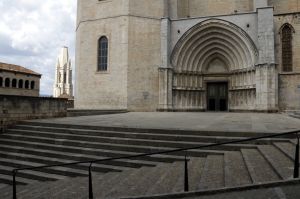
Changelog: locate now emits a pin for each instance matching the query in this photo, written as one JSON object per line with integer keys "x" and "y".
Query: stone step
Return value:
{"x": 85, "y": 150}
{"x": 27, "y": 174}
{"x": 67, "y": 190}
{"x": 52, "y": 161}
{"x": 212, "y": 176}
{"x": 105, "y": 186}
{"x": 289, "y": 149}
{"x": 142, "y": 146}
{"x": 279, "y": 190}
{"x": 166, "y": 182}
{"x": 125, "y": 185}
{"x": 196, "y": 168}
{"x": 259, "y": 168}
{"x": 35, "y": 144}
{"x": 282, "y": 164}
{"x": 74, "y": 157}
{"x": 148, "y": 178}
{"x": 156, "y": 131}
{"x": 49, "y": 190}
{"x": 3, "y": 186}
{"x": 6, "y": 179}
{"x": 94, "y": 135}
{"x": 53, "y": 172}
{"x": 235, "y": 170}
{"x": 99, "y": 146}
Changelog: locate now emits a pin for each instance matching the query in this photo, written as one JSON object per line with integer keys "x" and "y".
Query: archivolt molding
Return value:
{"x": 211, "y": 39}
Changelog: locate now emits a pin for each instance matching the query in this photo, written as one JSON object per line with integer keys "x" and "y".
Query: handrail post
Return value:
{"x": 91, "y": 195}
{"x": 296, "y": 166}
{"x": 186, "y": 175}
{"x": 14, "y": 184}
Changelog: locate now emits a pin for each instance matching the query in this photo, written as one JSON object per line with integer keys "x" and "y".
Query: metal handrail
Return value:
{"x": 91, "y": 162}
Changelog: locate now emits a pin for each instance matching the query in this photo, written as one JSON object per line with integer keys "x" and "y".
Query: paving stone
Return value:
{"x": 167, "y": 181}
{"x": 287, "y": 148}
{"x": 236, "y": 173}
{"x": 260, "y": 170}
{"x": 196, "y": 167}
{"x": 213, "y": 173}
{"x": 142, "y": 185}
{"x": 283, "y": 165}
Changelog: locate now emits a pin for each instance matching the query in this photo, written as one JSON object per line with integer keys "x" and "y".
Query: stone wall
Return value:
{"x": 289, "y": 82}
{"x": 289, "y": 92}
{"x": 107, "y": 89}
{"x": 16, "y": 108}
{"x": 285, "y": 6}
{"x": 143, "y": 62}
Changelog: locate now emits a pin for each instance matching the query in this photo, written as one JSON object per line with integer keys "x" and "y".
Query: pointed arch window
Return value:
{"x": 287, "y": 48}
{"x": 102, "y": 53}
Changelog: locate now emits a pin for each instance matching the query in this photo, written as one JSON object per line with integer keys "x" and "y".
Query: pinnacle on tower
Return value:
{"x": 63, "y": 86}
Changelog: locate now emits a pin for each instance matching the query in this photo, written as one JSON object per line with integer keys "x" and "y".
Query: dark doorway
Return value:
{"x": 217, "y": 96}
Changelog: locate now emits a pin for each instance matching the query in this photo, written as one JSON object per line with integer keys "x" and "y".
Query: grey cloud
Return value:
{"x": 32, "y": 32}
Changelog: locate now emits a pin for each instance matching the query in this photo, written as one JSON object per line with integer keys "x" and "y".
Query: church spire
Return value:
{"x": 63, "y": 75}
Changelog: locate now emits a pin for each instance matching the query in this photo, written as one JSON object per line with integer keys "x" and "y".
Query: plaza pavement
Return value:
{"x": 204, "y": 121}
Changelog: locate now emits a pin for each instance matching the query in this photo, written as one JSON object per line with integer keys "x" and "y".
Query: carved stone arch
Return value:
{"x": 194, "y": 42}
{"x": 216, "y": 63}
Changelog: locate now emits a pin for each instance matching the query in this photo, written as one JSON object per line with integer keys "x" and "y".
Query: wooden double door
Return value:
{"x": 217, "y": 96}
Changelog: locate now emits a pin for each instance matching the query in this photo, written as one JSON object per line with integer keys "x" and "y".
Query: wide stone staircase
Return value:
{"x": 233, "y": 165}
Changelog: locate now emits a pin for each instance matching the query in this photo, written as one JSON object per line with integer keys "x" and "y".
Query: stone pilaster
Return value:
{"x": 266, "y": 87}
{"x": 165, "y": 70}
{"x": 165, "y": 89}
{"x": 266, "y": 73}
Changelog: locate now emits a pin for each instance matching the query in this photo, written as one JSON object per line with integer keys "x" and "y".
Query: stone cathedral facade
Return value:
{"x": 63, "y": 86}
{"x": 188, "y": 55}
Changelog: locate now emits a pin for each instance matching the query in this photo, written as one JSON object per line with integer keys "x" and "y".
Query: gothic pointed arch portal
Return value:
{"x": 214, "y": 51}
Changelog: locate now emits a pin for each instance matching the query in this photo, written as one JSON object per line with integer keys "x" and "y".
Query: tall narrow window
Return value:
{"x": 102, "y": 53}
{"x": 287, "y": 51}
{"x": 65, "y": 77}
{"x": 20, "y": 83}
{"x": 1, "y": 81}
{"x": 7, "y": 82}
{"x": 27, "y": 84}
{"x": 14, "y": 83}
{"x": 32, "y": 84}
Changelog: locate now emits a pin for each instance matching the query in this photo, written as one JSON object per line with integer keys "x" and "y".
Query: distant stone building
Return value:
{"x": 188, "y": 55}
{"x": 63, "y": 86}
{"x": 17, "y": 80}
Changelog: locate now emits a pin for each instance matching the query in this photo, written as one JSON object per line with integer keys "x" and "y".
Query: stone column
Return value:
{"x": 165, "y": 70}
{"x": 266, "y": 72}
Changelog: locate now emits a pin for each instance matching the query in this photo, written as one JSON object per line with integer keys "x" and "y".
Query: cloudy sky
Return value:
{"x": 32, "y": 33}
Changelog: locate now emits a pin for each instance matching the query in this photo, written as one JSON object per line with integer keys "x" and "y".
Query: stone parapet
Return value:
{"x": 16, "y": 108}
